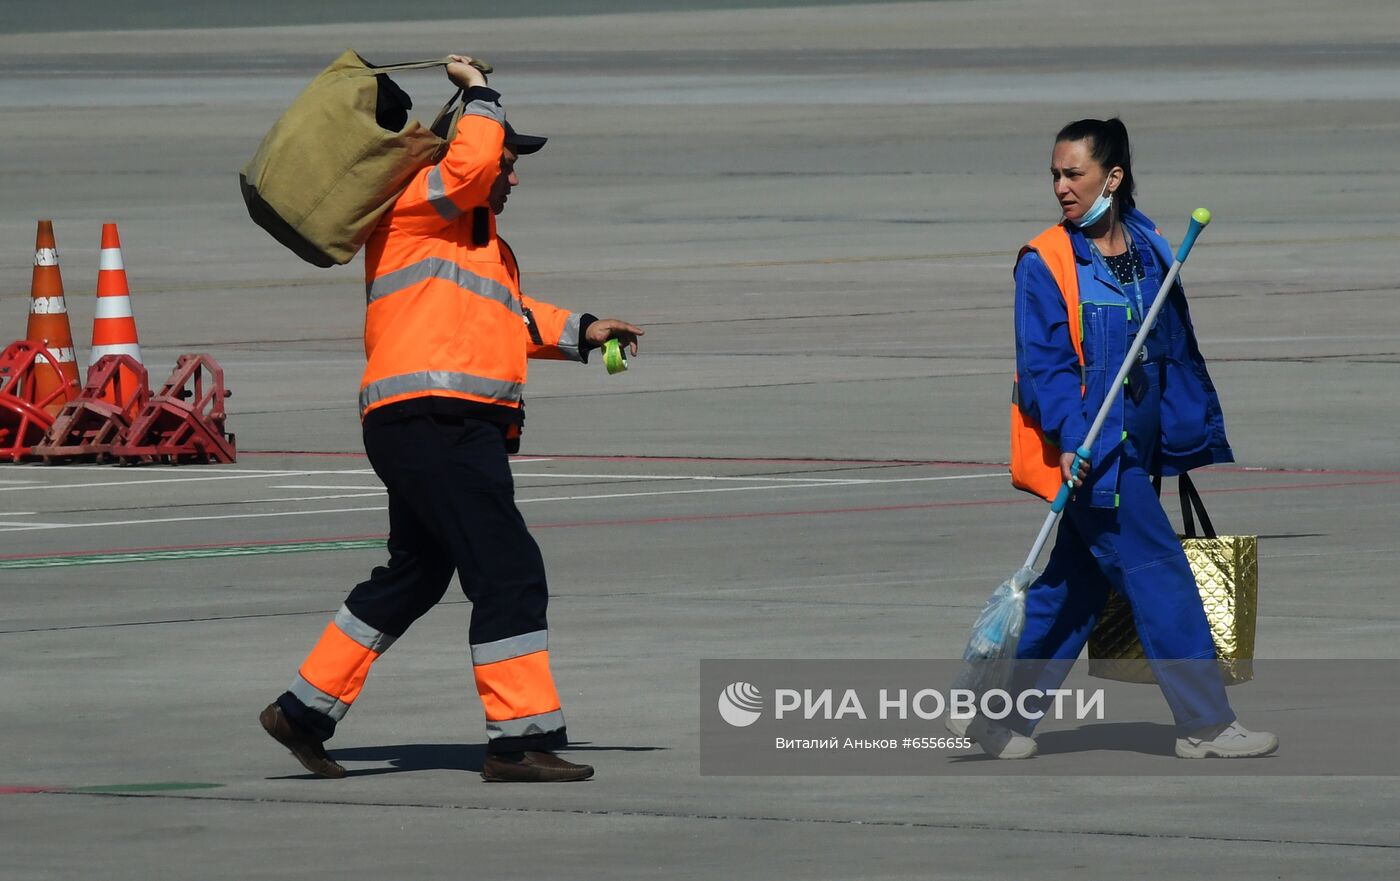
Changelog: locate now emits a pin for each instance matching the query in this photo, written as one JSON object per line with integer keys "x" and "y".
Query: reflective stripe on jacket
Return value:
{"x": 444, "y": 312}
{"x": 1064, "y": 366}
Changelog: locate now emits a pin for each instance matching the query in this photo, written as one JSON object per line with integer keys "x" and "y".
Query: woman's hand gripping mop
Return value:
{"x": 991, "y": 646}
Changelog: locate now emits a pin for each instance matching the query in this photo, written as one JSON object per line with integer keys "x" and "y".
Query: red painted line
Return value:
{"x": 1255, "y": 469}
{"x": 1290, "y": 486}
{"x": 25, "y": 790}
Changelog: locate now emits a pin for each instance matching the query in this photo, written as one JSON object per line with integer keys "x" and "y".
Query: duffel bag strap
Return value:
{"x": 375, "y": 69}
{"x": 445, "y": 123}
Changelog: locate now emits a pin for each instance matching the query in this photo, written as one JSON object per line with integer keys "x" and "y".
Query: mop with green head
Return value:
{"x": 991, "y": 645}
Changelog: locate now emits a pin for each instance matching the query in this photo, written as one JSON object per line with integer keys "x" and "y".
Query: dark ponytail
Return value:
{"x": 1109, "y": 140}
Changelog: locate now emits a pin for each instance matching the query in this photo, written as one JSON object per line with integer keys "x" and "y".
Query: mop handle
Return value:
{"x": 1199, "y": 218}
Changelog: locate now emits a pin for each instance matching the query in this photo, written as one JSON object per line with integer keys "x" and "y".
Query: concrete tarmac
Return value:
{"x": 814, "y": 213}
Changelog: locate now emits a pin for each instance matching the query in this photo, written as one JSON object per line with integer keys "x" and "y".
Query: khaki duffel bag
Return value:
{"x": 340, "y": 156}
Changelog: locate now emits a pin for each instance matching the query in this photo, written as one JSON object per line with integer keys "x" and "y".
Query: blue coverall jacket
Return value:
{"x": 1049, "y": 375}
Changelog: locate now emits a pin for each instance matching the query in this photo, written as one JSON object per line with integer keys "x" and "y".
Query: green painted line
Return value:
{"x": 121, "y": 788}
{"x": 301, "y": 547}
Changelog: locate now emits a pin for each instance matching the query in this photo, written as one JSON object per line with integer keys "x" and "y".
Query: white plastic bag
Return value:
{"x": 991, "y": 645}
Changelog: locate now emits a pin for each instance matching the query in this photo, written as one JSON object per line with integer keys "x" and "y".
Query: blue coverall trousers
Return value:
{"x": 1134, "y": 550}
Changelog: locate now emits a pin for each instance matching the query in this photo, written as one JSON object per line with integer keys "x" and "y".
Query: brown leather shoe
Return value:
{"x": 532, "y": 767}
{"x": 308, "y": 750}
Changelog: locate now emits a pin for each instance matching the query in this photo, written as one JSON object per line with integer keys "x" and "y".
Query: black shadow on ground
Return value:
{"x": 437, "y": 757}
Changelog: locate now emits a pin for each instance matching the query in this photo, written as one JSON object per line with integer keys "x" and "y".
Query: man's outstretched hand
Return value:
{"x": 605, "y": 329}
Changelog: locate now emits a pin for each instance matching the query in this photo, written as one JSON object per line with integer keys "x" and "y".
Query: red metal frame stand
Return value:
{"x": 24, "y": 415}
{"x": 90, "y": 427}
{"x": 184, "y": 421}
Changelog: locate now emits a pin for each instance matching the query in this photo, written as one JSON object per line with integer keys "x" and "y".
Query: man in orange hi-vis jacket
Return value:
{"x": 447, "y": 334}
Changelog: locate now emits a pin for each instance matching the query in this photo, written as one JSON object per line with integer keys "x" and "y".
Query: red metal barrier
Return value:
{"x": 24, "y": 413}
{"x": 184, "y": 421}
{"x": 90, "y": 427}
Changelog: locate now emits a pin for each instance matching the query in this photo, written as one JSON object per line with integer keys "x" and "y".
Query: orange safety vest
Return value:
{"x": 1035, "y": 461}
{"x": 444, "y": 314}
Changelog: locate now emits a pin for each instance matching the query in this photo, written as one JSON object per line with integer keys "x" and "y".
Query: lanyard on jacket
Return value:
{"x": 1133, "y": 261}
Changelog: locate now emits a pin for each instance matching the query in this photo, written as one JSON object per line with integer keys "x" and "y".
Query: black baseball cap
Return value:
{"x": 523, "y": 144}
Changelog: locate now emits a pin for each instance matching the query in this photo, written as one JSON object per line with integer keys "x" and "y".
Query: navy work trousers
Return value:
{"x": 452, "y": 509}
{"x": 1134, "y": 550}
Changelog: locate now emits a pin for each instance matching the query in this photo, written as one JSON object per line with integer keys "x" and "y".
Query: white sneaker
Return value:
{"x": 957, "y": 726}
{"x": 1232, "y": 741}
{"x": 997, "y": 741}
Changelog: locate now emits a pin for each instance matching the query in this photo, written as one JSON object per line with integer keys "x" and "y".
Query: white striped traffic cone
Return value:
{"x": 114, "y": 328}
{"x": 48, "y": 319}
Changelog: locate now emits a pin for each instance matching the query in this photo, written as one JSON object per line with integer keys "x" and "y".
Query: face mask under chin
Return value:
{"x": 1097, "y": 210}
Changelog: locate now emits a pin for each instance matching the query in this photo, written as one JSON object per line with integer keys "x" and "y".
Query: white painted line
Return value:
{"x": 931, "y": 479}
{"x": 608, "y": 476}
{"x": 206, "y": 469}
{"x": 8, "y": 528}
{"x": 549, "y": 474}
{"x": 186, "y": 469}
{"x": 853, "y": 481}
{"x": 244, "y": 475}
{"x": 23, "y": 527}
{"x": 680, "y": 492}
{"x": 816, "y": 480}
{"x": 315, "y": 486}
{"x": 359, "y": 495}
{"x": 669, "y": 492}
{"x": 158, "y": 480}
{"x": 20, "y": 481}
{"x": 812, "y": 482}
{"x": 835, "y": 481}
{"x": 796, "y": 481}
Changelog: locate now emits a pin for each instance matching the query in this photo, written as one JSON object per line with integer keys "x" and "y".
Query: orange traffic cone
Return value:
{"x": 114, "y": 328}
{"x": 48, "y": 316}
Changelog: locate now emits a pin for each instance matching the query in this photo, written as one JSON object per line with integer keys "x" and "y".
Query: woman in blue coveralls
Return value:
{"x": 1167, "y": 419}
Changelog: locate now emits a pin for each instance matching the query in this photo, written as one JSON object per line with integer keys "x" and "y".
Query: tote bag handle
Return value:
{"x": 1190, "y": 499}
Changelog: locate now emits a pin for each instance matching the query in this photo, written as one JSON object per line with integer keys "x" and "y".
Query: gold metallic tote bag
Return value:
{"x": 1227, "y": 575}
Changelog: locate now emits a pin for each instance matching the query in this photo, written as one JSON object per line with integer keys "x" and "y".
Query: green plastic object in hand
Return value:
{"x": 613, "y": 358}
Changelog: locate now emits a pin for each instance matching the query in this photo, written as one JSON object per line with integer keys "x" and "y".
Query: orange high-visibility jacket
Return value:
{"x": 445, "y": 315}
{"x": 1035, "y": 461}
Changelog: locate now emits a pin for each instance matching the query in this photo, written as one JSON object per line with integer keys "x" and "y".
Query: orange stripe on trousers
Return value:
{"x": 338, "y": 665}
{"x": 517, "y": 687}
